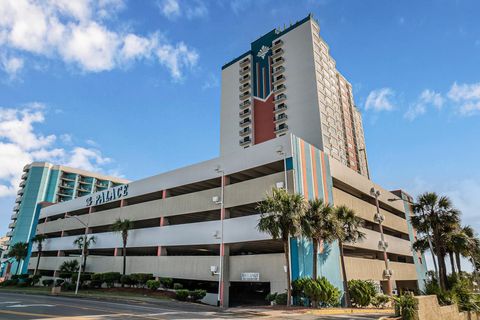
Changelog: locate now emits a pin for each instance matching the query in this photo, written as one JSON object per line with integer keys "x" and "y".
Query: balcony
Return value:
{"x": 277, "y": 53}
{"x": 101, "y": 184}
{"x": 277, "y": 44}
{"x": 25, "y": 175}
{"x": 245, "y": 131}
{"x": 26, "y": 168}
{"x": 280, "y": 97}
{"x": 12, "y": 224}
{"x": 245, "y": 122}
{"x": 278, "y": 62}
{"x": 245, "y": 95}
{"x": 244, "y": 86}
{"x": 278, "y": 70}
{"x": 82, "y": 189}
{"x": 244, "y": 78}
{"x": 280, "y": 107}
{"x": 280, "y": 118}
{"x": 20, "y": 192}
{"x": 244, "y": 62}
{"x": 16, "y": 207}
{"x": 244, "y": 70}
{"x": 245, "y": 141}
{"x": 68, "y": 178}
{"x": 9, "y": 234}
{"x": 14, "y": 216}
{"x": 280, "y": 88}
{"x": 18, "y": 199}
{"x": 281, "y": 128}
{"x": 245, "y": 103}
{"x": 22, "y": 184}
{"x": 63, "y": 194}
{"x": 66, "y": 186}
{"x": 245, "y": 112}
{"x": 278, "y": 79}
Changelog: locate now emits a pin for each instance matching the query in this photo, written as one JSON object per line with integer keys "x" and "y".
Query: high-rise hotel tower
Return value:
{"x": 288, "y": 82}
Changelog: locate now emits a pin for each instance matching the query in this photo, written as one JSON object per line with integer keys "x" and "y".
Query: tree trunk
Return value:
{"x": 452, "y": 262}
{"x": 435, "y": 266}
{"x": 84, "y": 261}
{"x": 38, "y": 262}
{"x": 124, "y": 260}
{"x": 443, "y": 271}
{"x": 315, "y": 258}
{"x": 18, "y": 266}
{"x": 458, "y": 260}
{"x": 287, "y": 261}
{"x": 344, "y": 274}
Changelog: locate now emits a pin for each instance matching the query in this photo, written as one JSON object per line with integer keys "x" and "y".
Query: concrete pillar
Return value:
{"x": 161, "y": 251}
{"x": 165, "y": 194}
{"x": 225, "y": 275}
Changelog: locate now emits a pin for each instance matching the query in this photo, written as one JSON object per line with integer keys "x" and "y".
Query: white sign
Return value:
{"x": 250, "y": 276}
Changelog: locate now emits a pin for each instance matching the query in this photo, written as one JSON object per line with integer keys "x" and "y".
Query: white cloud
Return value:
{"x": 76, "y": 33}
{"x": 176, "y": 58}
{"x": 426, "y": 98}
{"x": 468, "y": 97}
{"x": 21, "y": 143}
{"x": 170, "y": 8}
{"x": 12, "y": 66}
{"x": 380, "y": 100}
{"x": 211, "y": 82}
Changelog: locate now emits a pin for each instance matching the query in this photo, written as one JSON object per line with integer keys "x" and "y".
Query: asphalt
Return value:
{"x": 19, "y": 306}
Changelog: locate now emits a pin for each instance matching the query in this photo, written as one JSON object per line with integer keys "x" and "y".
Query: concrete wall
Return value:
{"x": 429, "y": 309}
{"x": 372, "y": 269}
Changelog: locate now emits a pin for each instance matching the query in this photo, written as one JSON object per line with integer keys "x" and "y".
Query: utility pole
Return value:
{"x": 387, "y": 273}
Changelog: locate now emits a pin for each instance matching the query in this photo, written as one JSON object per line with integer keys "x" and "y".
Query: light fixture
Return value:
{"x": 279, "y": 185}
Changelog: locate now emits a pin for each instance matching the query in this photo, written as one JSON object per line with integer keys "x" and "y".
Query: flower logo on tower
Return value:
{"x": 263, "y": 52}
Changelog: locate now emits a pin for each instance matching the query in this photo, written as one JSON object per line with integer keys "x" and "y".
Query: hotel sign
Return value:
{"x": 250, "y": 276}
{"x": 105, "y": 196}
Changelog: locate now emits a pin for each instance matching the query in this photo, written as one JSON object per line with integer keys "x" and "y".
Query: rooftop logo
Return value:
{"x": 263, "y": 52}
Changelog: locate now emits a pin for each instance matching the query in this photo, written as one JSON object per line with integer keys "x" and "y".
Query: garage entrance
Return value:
{"x": 248, "y": 293}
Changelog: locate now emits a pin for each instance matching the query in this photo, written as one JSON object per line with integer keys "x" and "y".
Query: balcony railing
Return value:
{"x": 245, "y": 122}
{"x": 245, "y": 141}
{"x": 14, "y": 216}
{"x": 24, "y": 176}
{"x": 281, "y": 128}
{"x": 245, "y": 103}
{"x": 244, "y": 62}
{"x": 245, "y": 131}
{"x": 22, "y": 183}
{"x": 9, "y": 233}
{"x": 277, "y": 44}
{"x": 244, "y": 78}
{"x": 278, "y": 70}
{"x": 244, "y": 86}
{"x": 244, "y": 70}
{"x": 278, "y": 79}
{"x": 20, "y": 191}
{"x": 16, "y": 207}
{"x": 18, "y": 199}
{"x": 281, "y": 117}
{"x": 277, "y": 53}
{"x": 245, "y": 95}
{"x": 12, "y": 224}
{"x": 280, "y": 97}
{"x": 278, "y": 62}
{"x": 279, "y": 88}
{"x": 68, "y": 178}
{"x": 280, "y": 107}
{"x": 245, "y": 112}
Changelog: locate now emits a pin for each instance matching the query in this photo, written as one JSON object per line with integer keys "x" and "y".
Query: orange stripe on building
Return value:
{"x": 324, "y": 177}
{"x": 304, "y": 169}
{"x": 314, "y": 169}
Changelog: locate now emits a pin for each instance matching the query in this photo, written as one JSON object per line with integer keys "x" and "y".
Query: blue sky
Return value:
{"x": 133, "y": 87}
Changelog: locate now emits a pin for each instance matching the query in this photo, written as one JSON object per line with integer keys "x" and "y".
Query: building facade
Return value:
{"x": 288, "y": 82}
{"x": 198, "y": 224}
{"x": 45, "y": 182}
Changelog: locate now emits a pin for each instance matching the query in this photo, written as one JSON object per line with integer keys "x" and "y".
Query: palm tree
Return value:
{"x": 435, "y": 217}
{"x": 320, "y": 224}
{"x": 79, "y": 242}
{"x": 123, "y": 226}
{"x": 38, "y": 239}
{"x": 350, "y": 224}
{"x": 465, "y": 243}
{"x": 19, "y": 251}
{"x": 280, "y": 217}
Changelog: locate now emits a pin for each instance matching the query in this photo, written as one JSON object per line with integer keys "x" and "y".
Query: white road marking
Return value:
{"x": 9, "y": 302}
{"x": 30, "y": 305}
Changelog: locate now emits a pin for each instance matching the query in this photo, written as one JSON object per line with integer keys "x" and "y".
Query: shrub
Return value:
{"x": 110, "y": 278}
{"x": 406, "y": 306}
{"x": 322, "y": 292}
{"x": 65, "y": 275}
{"x": 166, "y": 282}
{"x": 197, "y": 294}
{"x": 23, "y": 284}
{"x": 182, "y": 294}
{"x": 10, "y": 282}
{"x": 298, "y": 287}
{"x": 271, "y": 297}
{"x": 177, "y": 286}
{"x": 59, "y": 282}
{"x": 281, "y": 299}
{"x": 464, "y": 297}
{"x": 153, "y": 285}
{"x": 127, "y": 280}
{"x": 47, "y": 282}
{"x": 68, "y": 286}
{"x": 141, "y": 278}
{"x": 36, "y": 279}
{"x": 23, "y": 276}
{"x": 380, "y": 300}
{"x": 14, "y": 277}
{"x": 361, "y": 292}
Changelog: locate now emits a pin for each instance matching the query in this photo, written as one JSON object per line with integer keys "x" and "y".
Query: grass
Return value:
{"x": 122, "y": 293}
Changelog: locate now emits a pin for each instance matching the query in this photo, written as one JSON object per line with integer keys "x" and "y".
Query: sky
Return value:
{"x": 132, "y": 88}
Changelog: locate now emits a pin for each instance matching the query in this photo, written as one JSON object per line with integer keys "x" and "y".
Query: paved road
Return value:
{"x": 15, "y": 306}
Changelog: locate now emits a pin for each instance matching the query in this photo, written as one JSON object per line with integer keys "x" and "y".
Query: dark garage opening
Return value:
{"x": 248, "y": 293}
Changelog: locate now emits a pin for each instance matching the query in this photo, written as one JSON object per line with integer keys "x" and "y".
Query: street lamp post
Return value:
{"x": 83, "y": 251}
{"x": 221, "y": 202}
{"x": 284, "y": 155}
{"x": 387, "y": 273}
